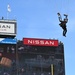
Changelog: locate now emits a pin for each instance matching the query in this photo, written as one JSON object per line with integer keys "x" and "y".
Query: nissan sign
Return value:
{"x": 40, "y": 42}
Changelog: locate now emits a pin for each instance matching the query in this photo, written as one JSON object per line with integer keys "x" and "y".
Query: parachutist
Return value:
{"x": 63, "y": 23}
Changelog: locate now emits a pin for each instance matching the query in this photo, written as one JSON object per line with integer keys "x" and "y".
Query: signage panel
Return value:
{"x": 40, "y": 42}
{"x": 8, "y": 41}
{"x": 8, "y": 27}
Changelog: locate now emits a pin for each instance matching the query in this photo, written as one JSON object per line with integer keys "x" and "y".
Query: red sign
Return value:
{"x": 40, "y": 42}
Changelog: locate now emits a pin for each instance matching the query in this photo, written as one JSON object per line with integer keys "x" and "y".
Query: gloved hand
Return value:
{"x": 5, "y": 62}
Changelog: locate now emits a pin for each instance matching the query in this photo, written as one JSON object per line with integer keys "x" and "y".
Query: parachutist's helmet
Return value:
{"x": 65, "y": 20}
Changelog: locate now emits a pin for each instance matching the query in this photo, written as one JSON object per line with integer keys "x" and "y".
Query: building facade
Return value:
{"x": 40, "y": 58}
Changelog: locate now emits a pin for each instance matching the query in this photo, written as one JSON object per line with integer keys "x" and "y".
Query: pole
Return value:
{"x": 17, "y": 62}
{"x": 52, "y": 68}
{"x": 7, "y": 14}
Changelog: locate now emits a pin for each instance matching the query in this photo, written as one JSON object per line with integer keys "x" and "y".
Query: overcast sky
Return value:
{"x": 38, "y": 19}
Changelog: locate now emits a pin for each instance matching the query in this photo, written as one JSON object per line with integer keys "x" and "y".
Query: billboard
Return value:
{"x": 40, "y": 42}
{"x": 8, "y": 27}
{"x": 8, "y": 57}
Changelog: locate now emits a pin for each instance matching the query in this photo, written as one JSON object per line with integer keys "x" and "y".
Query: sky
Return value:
{"x": 38, "y": 19}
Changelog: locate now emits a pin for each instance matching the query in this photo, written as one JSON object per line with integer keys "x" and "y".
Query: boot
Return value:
{"x": 65, "y": 15}
{"x": 58, "y": 14}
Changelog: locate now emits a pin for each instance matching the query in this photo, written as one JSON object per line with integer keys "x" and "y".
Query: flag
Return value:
{"x": 8, "y": 8}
